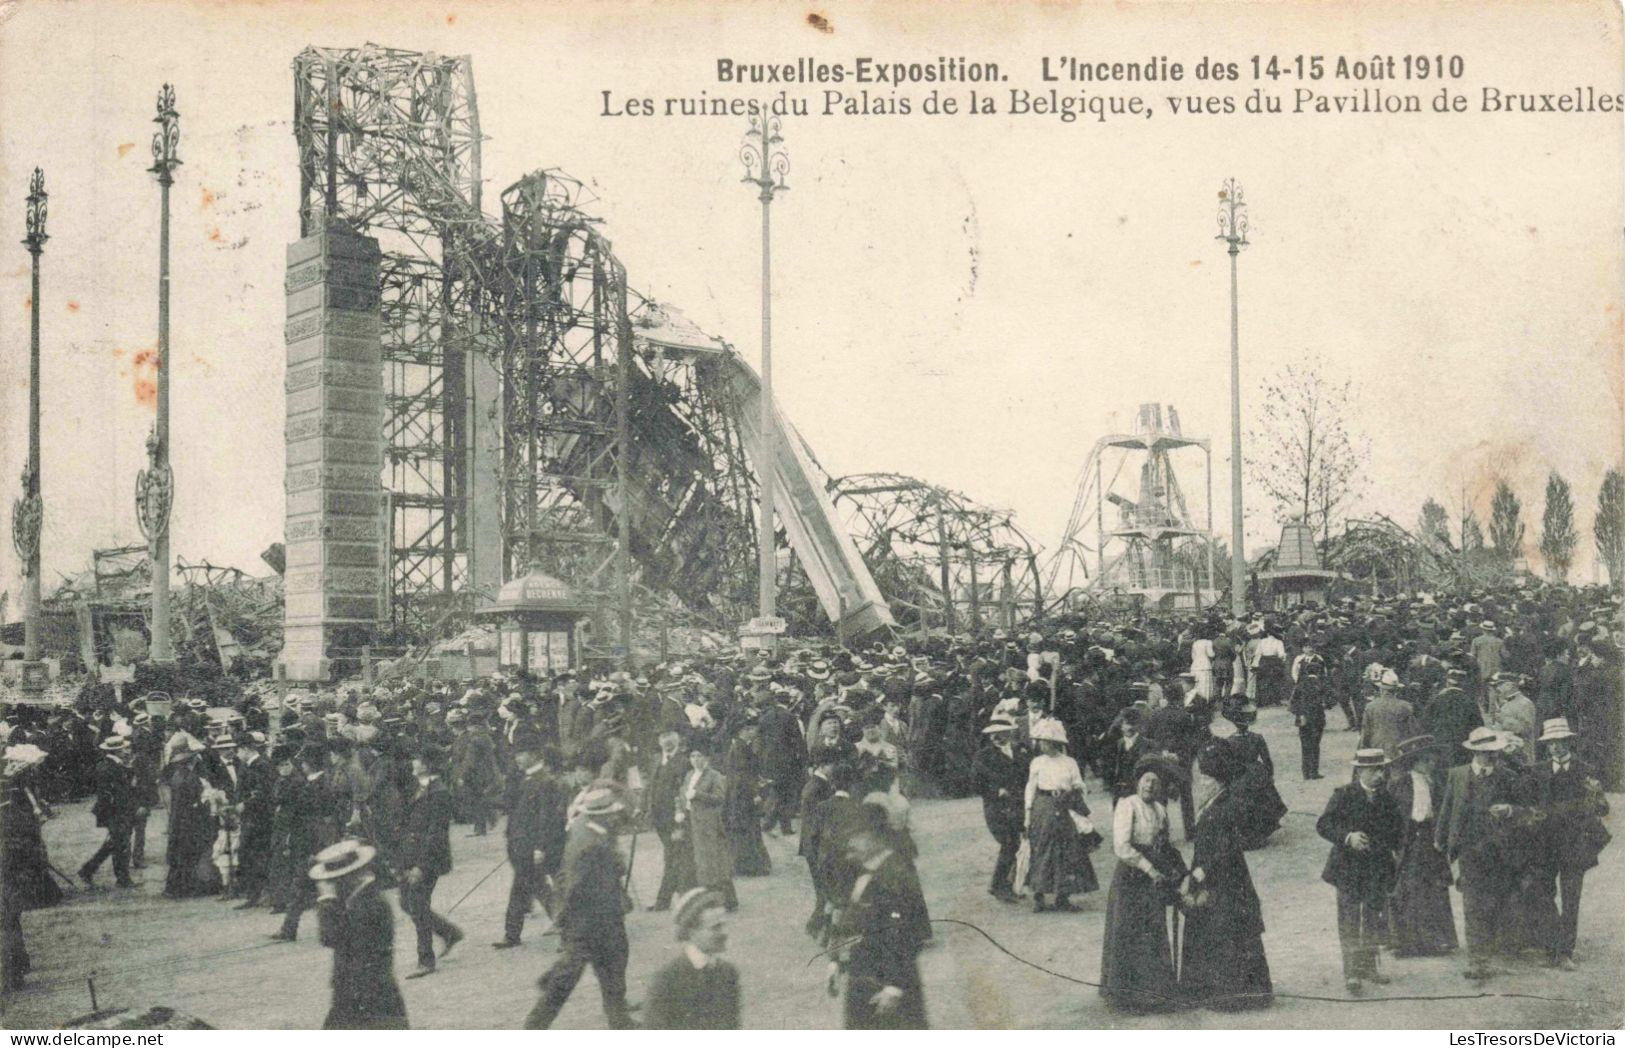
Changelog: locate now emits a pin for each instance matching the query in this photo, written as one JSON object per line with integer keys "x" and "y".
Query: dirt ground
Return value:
{"x": 205, "y": 958}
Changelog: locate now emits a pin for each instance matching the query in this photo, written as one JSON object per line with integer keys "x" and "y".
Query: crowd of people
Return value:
{"x": 1489, "y": 729}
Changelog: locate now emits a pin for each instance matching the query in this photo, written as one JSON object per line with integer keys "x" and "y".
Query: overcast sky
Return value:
{"x": 971, "y": 301}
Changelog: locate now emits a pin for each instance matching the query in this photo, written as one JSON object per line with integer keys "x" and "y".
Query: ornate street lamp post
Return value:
{"x": 1233, "y": 231}
{"x": 28, "y": 512}
{"x": 155, "y": 485}
{"x": 766, "y": 165}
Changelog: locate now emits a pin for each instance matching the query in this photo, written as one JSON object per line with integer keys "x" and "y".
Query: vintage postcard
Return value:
{"x": 721, "y": 514}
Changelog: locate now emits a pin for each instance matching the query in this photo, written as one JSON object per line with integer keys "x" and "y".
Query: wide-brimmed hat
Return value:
{"x": 1373, "y": 757}
{"x": 599, "y": 800}
{"x": 1236, "y": 712}
{"x": 1049, "y": 730}
{"x": 1388, "y": 680}
{"x": 115, "y": 744}
{"x": 340, "y": 859}
{"x": 1413, "y": 747}
{"x": 1555, "y": 728}
{"x": 1486, "y": 740}
{"x": 1165, "y": 765}
{"x": 998, "y": 724}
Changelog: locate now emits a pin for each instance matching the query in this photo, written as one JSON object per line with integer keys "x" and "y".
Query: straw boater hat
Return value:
{"x": 998, "y": 724}
{"x": 1555, "y": 728}
{"x": 686, "y": 911}
{"x": 115, "y": 744}
{"x": 1486, "y": 740}
{"x": 1370, "y": 758}
{"x": 1049, "y": 730}
{"x": 340, "y": 859}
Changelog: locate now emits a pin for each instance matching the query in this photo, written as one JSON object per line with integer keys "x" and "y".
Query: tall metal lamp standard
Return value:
{"x": 155, "y": 485}
{"x": 28, "y": 512}
{"x": 766, "y": 165}
{"x": 1233, "y": 231}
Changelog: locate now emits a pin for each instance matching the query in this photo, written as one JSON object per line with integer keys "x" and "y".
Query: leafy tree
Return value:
{"x": 1608, "y": 527}
{"x": 1433, "y": 526}
{"x": 1506, "y": 525}
{"x": 1557, "y": 533}
{"x": 1472, "y": 535}
{"x": 1303, "y": 452}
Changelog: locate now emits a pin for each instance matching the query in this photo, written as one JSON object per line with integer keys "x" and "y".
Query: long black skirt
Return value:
{"x": 1136, "y": 955}
{"x": 1223, "y": 967}
{"x": 1060, "y": 859}
{"x": 1419, "y": 912}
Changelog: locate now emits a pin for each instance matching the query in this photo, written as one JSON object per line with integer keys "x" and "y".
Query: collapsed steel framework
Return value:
{"x": 942, "y": 560}
{"x": 617, "y": 449}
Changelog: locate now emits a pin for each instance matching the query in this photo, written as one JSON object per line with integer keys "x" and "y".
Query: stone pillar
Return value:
{"x": 333, "y": 582}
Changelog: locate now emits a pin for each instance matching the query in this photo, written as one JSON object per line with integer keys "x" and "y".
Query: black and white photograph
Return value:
{"x": 746, "y": 515}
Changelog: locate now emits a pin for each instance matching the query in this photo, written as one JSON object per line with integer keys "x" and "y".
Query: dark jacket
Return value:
{"x": 426, "y": 832}
{"x": 360, "y": 931}
{"x": 1572, "y": 833}
{"x": 994, "y": 772}
{"x": 664, "y": 783}
{"x": 115, "y": 794}
{"x": 683, "y": 997}
{"x": 885, "y": 948}
{"x": 784, "y": 749}
{"x": 1368, "y": 874}
{"x": 591, "y": 905}
{"x": 813, "y": 795}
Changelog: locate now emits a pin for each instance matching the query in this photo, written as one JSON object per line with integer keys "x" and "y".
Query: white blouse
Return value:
{"x": 1054, "y": 774}
{"x": 1135, "y": 821}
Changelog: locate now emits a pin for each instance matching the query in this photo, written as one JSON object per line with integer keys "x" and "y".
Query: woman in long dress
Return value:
{"x": 1136, "y": 956}
{"x": 699, "y": 815}
{"x": 1256, "y": 784}
{"x": 1059, "y": 863}
{"x": 1222, "y": 963}
{"x": 1421, "y": 923}
{"x": 740, "y": 814}
{"x": 191, "y": 830}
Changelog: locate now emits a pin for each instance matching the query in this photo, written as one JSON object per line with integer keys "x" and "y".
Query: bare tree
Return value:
{"x": 1557, "y": 533}
{"x": 1305, "y": 454}
{"x": 1608, "y": 527}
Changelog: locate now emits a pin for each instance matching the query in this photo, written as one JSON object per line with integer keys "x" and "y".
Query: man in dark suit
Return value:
{"x": 592, "y": 914}
{"x": 355, "y": 923}
{"x": 1568, "y": 793}
{"x": 1309, "y": 707}
{"x": 256, "y": 792}
{"x": 879, "y": 958}
{"x": 1452, "y": 715}
{"x": 784, "y": 763}
{"x": 1363, "y": 823}
{"x": 1126, "y": 752}
{"x": 676, "y": 851}
{"x": 531, "y": 799}
{"x": 425, "y": 857}
{"x": 817, "y": 790}
{"x": 115, "y": 811}
{"x": 1476, "y": 827}
{"x": 1001, "y": 779}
